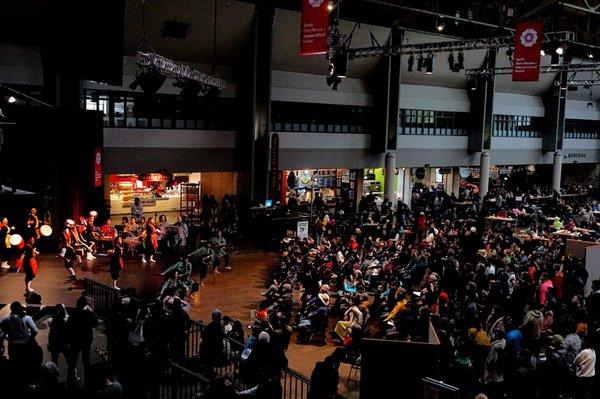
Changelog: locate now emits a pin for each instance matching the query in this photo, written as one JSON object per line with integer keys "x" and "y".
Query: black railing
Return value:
{"x": 192, "y": 345}
{"x": 103, "y": 296}
{"x": 295, "y": 385}
{"x": 181, "y": 383}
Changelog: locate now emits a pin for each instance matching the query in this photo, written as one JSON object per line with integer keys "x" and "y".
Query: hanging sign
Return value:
{"x": 528, "y": 44}
{"x": 315, "y": 26}
{"x": 98, "y": 167}
{"x": 274, "y": 167}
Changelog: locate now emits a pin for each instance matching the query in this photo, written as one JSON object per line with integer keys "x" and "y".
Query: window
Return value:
{"x": 319, "y": 118}
{"x": 128, "y": 109}
{"x": 518, "y": 126}
{"x": 434, "y": 123}
{"x": 582, "y": 129}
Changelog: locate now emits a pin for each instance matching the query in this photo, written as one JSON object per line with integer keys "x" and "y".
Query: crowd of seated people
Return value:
{"x": 508, "y": 303}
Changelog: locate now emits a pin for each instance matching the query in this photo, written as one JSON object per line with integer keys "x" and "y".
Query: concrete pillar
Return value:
{"x": 557, "y": 171}
{"x": 484, "y": 174}
{"x": 455, "y": 181}
{"x": 407, "y": 187}
{"x": 390, "y": 173}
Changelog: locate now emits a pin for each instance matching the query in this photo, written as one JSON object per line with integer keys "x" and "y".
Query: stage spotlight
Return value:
{"x": 411, "y": 62}
{"x": 12, "y": 99}
{"x": 451, "y": 61}
{"x": 330, "y": 7}
{"x": 149, "y": 80}
{"x": 429, "y": 64}
{"x": 555, "y": 59}
{"x": 542, "y": 52}
{"x": 420, "y": 63}
{"x": 590, "y": 55}
{"x": 561, "y": 49}
{"x": 440, "y": 26}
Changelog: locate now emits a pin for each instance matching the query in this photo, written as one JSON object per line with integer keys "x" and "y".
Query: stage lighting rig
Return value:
{"x": 166, "y": 67}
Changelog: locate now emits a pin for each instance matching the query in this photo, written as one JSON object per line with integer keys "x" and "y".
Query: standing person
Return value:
{"x": 57, "y": 337}
{"x": 137, "y": 209}
{"x": 69, "y": 244}
{"x": 30, "y": 266}
{"x": 211, "y": 349}
{"x": 4, "y": 243}
{"x": 219, "y": 244}
{"x": 21, "y": 332}
{"x": 116, "y": 261}
{"x": 182, "y": 233}
{"x": 80, "y": 327}
{"x": 32, "y": 226}
{"x": 585, "y": 370}
{"x": 150, "y": 241}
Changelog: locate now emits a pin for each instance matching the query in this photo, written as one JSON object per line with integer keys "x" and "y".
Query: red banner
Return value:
{"x": 528, "y": 44}
{"x": 315, "y": 26}
{"x": 98, "y": 167}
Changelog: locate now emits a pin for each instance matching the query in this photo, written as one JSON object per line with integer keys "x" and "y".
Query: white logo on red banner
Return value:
{"x": 529, "y": 37}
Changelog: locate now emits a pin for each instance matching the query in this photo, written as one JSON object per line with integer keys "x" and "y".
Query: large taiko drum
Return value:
{"x": 16, "y": 240}
{"x": 46, "y": 230}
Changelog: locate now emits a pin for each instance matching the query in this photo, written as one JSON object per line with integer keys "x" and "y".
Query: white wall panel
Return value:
{"x": 168, "y": 138}
{"x": 518, "y": 104}
{"x": 516, "y": 143}
{"x": 441, "y": 142}
{"x": 322, "y": 141}
{"x": 308, "y": 88}
{"x": 578, "y": 109}
{"x": 433, "y": 98}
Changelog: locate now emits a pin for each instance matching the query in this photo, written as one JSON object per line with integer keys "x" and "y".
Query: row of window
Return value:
{"x": 517, "y": 126}
{"x": 433, "y": 123}
{"x": 319, "y": 118}
{"x": 582, "y": 129}
{"x": 127, "y": 109}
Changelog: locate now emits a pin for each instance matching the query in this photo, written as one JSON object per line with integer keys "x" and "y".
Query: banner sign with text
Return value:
{"x": 315, "y": 26}
{"x": 528, "y": 44}
{"x": 98, "y": 167}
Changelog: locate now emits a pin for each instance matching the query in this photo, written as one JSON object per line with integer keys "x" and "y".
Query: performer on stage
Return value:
{"x": 202, "y": 258}
{"x": 150, "y": 240}
{"x": 33, "y": 227}
{"x": 29, "y": 265}
{"x": 219, "y": 244}
{"x": 82, "y": 246}
{"x": 183, "y": 269}
{"x": 70, "y": 254}
{"x": 116, "y": 261}
{"x": 89, "y": 234}
{"x": 4, "y": 243}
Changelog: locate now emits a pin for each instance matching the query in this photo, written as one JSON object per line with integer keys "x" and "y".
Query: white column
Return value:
{"x": 557, "y": 171}
{"x": 455, "y": 181}
{"x": 390, "y": 173}
{"x": 407, "y": 187}
{"x": 484, "y": 174}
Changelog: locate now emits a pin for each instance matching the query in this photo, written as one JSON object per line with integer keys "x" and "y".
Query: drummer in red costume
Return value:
{"x": 150, "y": 240}
{"x": 69, "y": 245}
